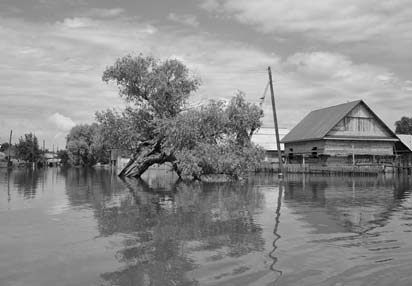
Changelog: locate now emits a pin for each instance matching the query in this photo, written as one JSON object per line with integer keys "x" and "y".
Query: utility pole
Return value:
{"x": 8, "y": 160}
{"x": 272, "y": 95}
{"x": 32, "y": 149}
{"x": 44, "y": 154}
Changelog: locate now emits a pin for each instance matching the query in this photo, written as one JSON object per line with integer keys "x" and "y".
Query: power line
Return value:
{"x": 264, "y": 94}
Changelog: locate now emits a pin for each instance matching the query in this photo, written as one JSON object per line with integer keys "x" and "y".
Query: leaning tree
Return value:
{"x": 155, "y": 91}
{"x": 157, "y": 127}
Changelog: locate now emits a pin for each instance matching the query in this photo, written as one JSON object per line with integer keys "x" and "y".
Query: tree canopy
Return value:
{"x": 214, "y": 138}
{"x": 404, "y": 125}
{"x": 158, "y": 126}
{"x": 156, "y": 88}
{"x": 85, "y": 145}
{"x": 28, "y": 148}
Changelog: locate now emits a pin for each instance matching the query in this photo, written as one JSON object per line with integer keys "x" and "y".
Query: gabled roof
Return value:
{"x": 318, "y": 123}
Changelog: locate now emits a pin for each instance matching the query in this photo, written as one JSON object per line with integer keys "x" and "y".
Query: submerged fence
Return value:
{"x": 372, "y": 170}
{"x": 335, "y": 170}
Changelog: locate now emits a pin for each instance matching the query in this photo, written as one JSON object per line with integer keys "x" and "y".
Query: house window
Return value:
{"x": 314, "y": 151}
{"x": 346, "y": 121}
{"x": 290, "y": 153}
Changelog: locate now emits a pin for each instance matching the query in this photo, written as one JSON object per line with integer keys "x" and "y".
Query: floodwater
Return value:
{"x": 89, "y": 227}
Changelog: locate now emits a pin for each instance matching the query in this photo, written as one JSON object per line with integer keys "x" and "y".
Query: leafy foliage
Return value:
{"x": 28, "y": 148}
{"x": 243, "y": 118}
{"x": 63, "y": 155}
{"x": 126, "y": 129}
{"x": 158, "y": 127}
{"x": 208, "y": 124}
{"x": 85, "y": 145}
{"x": 229, "y": 159}
{"x": 158, "y": 88}
{"x": 404, "y": 125}
{"x": 215, "y": 139}
{"x": 154, "y": 90}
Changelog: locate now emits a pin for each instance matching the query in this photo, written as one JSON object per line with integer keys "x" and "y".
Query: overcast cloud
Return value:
{"x": 53, "y": 54}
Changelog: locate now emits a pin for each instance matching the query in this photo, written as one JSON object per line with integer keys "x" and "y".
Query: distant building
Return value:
{"x": 345, "y": 133}
{"x": 12, "y": 152}
{"x": 4, "y": 157}
{"x": 265, "y": 137}
{"x": 51, "y": 159}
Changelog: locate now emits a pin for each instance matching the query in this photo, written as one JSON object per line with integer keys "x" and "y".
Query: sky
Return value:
{"x": 326, "y": 52}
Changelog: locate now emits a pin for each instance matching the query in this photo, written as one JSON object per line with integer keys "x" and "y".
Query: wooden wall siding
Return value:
{"x": 340, "y": 148}
{"x": 344, "y": 148}
{"x": 359, "y": 122}
{"x": 305, "y": 147}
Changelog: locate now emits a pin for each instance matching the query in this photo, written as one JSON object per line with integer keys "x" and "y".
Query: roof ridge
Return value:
{"x": 314, "y": 126}
{"x": 318, "y": 123}
{"x": 340, "y": 104}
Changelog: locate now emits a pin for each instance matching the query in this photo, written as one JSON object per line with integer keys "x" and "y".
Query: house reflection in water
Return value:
{"x": 344, "y": 204}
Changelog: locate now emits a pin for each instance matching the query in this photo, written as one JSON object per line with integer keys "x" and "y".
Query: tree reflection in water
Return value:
{"x": 160, "y": 232}
{"x": 26, "y": 181}
{"x": 166, "y": 233}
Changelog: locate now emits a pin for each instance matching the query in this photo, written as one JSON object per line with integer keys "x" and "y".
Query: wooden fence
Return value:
{"x": 369, "y": 170}
{"x": 267, "y": 167}
{"x": 335, "y": 170}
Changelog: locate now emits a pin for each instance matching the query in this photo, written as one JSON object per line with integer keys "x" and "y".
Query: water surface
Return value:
{"x": 89, "y": 227}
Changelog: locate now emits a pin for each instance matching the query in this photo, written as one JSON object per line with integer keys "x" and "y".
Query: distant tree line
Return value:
{"x": 27, "y": 149}
{"x": 404, "y": 125}
{"x": 85, "y": 146}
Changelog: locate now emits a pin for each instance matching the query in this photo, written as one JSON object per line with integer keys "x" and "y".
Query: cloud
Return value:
{"x": 56, "y": 68}
{"x": 62, "y": 122}
{"x": 106, "y": 13}
{"x": 328, "y": 21}
{"x": 337, "y": 68}
{"x": 325, "y": 78}
{"x": 76, "y": 23}
{"x": 186, "y": 19}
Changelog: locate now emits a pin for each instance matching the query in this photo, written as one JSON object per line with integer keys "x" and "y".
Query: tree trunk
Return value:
{"x": 136, "y": 167}
{"x": 148, "y": 154}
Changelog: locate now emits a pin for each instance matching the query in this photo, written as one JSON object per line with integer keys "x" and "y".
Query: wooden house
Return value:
{"x": 349, "y": 133}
